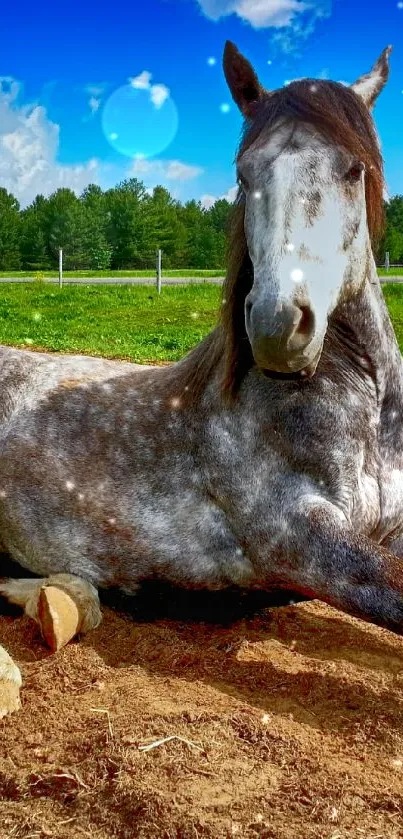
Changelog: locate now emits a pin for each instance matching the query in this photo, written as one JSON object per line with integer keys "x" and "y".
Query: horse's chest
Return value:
{"x": 323, "y": 447}
{"x": 391, "y": 491}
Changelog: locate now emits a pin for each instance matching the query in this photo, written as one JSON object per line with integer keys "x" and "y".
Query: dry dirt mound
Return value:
{"x": 291, "y": 723}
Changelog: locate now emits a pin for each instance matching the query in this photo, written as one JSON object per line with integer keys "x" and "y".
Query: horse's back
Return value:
{"x": 27, "y": 377}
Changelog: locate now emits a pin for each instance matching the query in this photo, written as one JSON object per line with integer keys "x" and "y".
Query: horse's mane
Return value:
{"x": 341, "y": 118}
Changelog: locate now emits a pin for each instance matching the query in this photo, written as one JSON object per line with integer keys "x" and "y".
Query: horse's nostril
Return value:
{"x": 306, "y": 324}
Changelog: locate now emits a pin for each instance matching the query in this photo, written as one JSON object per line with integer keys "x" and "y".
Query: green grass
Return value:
{"x": 179, "y": 272}
{"x": 393, "y": 272}
{"x": 182, "y": 272}
{"x": 393, "y": 293}
{"x": 131, "y": 322}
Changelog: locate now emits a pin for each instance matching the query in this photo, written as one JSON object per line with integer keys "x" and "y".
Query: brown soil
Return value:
{"x": 290, "y": 718}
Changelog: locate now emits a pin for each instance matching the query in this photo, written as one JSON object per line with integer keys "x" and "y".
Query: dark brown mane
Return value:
{"x": 341, "y": 117}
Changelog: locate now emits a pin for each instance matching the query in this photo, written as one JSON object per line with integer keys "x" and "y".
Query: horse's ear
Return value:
{"x": 242, "y": 80}
{"x": 370, "y": 85}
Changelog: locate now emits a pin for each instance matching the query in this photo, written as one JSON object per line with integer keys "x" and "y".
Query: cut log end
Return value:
{"x": 10, "y": 684}
{"x": 58, "y": 617}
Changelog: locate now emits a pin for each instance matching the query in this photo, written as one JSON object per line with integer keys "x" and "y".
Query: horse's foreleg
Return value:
{"x": 63, "y": 605}
{"x": 326, "y": 559}
{"x": 10, "y": 684}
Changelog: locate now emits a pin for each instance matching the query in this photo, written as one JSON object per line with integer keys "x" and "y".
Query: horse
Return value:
{"x": 271, "y": 456}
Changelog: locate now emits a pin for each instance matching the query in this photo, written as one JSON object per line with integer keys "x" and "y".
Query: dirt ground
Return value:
{"x": 287, "y": 723}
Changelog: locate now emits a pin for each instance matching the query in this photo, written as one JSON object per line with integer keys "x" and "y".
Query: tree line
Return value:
{"x": 122, "y": 227}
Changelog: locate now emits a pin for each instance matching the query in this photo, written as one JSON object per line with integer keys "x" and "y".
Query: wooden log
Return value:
{"x": 10, "y": 684}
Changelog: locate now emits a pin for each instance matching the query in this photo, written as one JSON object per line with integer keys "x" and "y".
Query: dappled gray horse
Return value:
{"x": 271, "y": 456}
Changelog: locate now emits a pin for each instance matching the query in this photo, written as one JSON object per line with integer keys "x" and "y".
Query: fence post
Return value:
{"x": 60, "y": 267}
{"x": 159, "y": 277}
{"x": 387, "y": 263}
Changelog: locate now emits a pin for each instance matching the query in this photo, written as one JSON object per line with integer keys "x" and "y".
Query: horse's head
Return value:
{"x": 311, "y": 188}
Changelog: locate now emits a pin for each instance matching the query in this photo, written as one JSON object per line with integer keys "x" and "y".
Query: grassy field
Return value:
{"x": 130, "y": 322}
{"x": 393, "y": 272}
{"x": 182, "y": 272}
{"x": 393, "y": 293}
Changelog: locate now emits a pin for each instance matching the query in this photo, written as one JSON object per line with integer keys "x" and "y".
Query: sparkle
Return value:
{"x": 224, "y": 108}
{"x": 113, "y": 136}
{"x": 265, "y": 718}
{"x": 70, "y": 486}
{"x": 36, "y": 316}
{"x": 175, "y": 402}
{"x": 2, "y": 493}
{"x": 303, "y": 373}
{"x": 211, "y": 61}
{"x": 257, "y": 194}
{"x": 400, "y": 5}
{"x": 80, "y": 496}
{"x": 313, "y": 88}
{"x": 28, "y": 341}
{"x": 290, "y": 247}
{"x": 303, "y": 200}
{"x": 297, "y": 275}
{"x": 194, "y": 315}
{"x": 270, "y": 61}
{"x": 112, "y": 521}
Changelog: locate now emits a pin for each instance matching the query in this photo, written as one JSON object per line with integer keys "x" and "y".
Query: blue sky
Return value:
{"x": 82, "y": 82}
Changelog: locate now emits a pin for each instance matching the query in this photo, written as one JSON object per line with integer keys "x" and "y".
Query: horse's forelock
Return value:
{"x": 340, "y": 116}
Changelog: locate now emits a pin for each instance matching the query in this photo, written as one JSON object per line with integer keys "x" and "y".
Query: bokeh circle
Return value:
{"x": 137, "y": 126}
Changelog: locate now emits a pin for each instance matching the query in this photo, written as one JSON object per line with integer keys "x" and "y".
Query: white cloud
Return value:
{"x": 29, "y": 144}
{"x": 207, "y": 201}
{"x": 282, "y": 15}
{"x": 159, "y": 93}
{"x": 95, "y": 92}
{"x": 259, "y": 13}
{"x": 96, "y": 89}
{"x": 141, "y": 82}
{"x": 94, "y": 104}
{"x": 156, "y": 171}
{"x": 288, "y": 38}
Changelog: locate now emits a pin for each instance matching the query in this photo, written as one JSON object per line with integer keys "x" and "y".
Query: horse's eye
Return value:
{"x": 355, "y": 172}
{"x": 242, "y": 182}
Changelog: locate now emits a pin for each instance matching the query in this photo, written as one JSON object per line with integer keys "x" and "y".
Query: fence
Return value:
{"x": 387, "y": 265}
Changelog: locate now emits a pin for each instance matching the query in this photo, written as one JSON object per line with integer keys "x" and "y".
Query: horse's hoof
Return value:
{"x": 10, "y": 684}
{"x": 58, "y": 617}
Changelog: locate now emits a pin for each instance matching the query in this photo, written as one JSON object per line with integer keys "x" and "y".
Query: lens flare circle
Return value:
{"x": 136, "y": 126}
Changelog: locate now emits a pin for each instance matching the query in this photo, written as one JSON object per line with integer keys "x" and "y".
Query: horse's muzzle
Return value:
{"x": 282, "y": 341}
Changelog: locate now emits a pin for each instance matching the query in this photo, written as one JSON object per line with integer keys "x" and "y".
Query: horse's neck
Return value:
{"x": 369, "y": 319}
